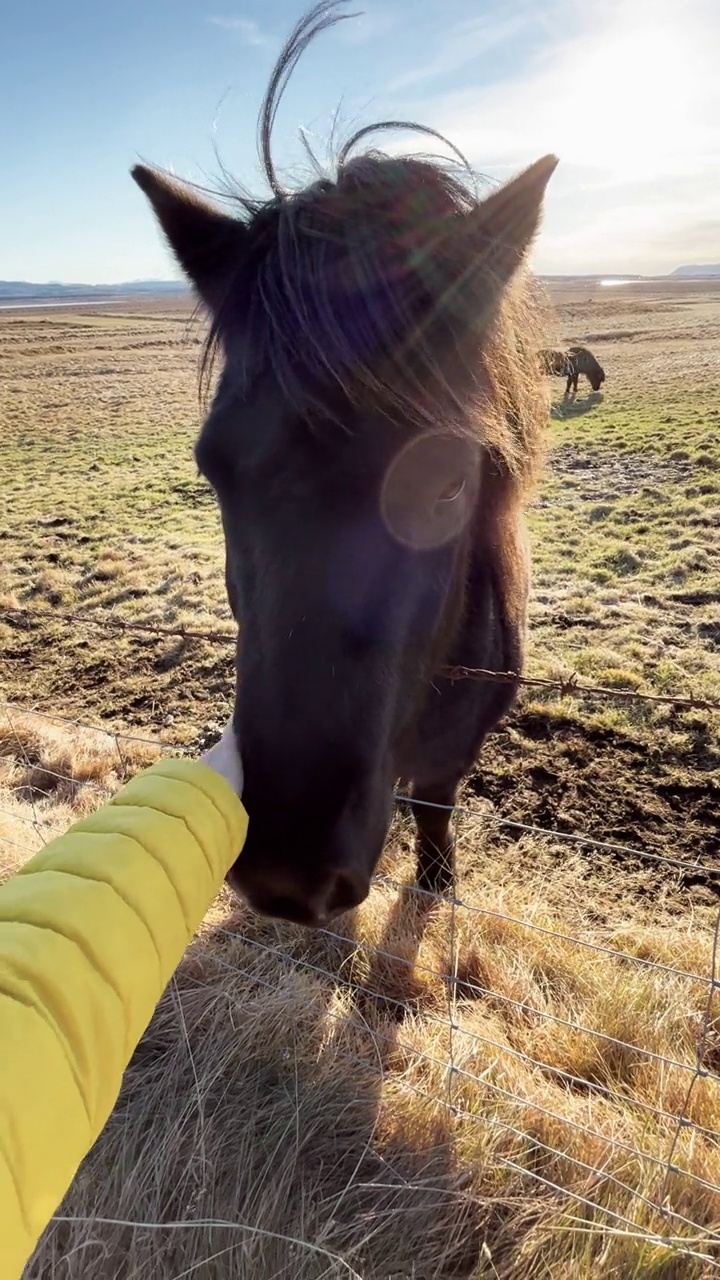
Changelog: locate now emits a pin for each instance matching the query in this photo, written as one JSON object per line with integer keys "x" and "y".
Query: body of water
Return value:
{"x": 35, "y": 304}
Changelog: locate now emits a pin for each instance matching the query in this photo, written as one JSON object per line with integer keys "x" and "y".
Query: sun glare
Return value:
{"x": 635, "y": 100}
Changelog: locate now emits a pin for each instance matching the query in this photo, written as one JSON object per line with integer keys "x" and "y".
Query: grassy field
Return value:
{"x": 256, "y": 1097}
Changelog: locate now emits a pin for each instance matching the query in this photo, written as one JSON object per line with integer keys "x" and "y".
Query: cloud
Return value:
{"x": 463, "y": 44}
{"x": 247, "y": 29}
{"x": 628, "y": 96}
{"x": 651, "y": 239}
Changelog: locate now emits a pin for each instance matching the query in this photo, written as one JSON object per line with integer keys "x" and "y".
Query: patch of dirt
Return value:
{"x": 195, "y": 493}
{"x": 618, "y": 473}
{"x": 130, "y": 681}
{"x": 564, "y": 775}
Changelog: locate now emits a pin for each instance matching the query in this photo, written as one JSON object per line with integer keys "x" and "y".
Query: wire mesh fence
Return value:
{"x": 620, "y": 1125}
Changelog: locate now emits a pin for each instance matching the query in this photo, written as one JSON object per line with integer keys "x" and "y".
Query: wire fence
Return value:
{"x": 570, "y": 685}
{"x": 620, "y": 1124}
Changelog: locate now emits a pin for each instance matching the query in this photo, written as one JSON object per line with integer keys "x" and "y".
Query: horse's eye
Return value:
{"x": 452, "y": 490}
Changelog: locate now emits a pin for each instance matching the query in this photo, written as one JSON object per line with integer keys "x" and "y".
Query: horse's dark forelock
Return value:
{"x": 365, "y": 288}
{"x": 357, "y": 285}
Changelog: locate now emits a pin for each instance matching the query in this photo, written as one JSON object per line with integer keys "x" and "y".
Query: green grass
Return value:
{"x": 626, "y": 534}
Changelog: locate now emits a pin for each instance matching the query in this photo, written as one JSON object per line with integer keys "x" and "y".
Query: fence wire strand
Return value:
{"x": 37, "y": 825}
{"x": 451, "y": 985}
{"x": 610, "y": 846}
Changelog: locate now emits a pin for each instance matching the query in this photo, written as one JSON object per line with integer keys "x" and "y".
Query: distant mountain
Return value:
{"x": 706, "y": 269}
{"x": 25, "y": 290}
{"x": 19, "y": 290}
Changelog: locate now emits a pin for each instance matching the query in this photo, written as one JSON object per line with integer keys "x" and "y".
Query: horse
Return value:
{"x": 570, "y": 364}
{"x": 376, "y": 422}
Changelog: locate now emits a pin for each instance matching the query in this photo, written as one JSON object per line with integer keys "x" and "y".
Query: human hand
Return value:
{"x": 225, "y": 759}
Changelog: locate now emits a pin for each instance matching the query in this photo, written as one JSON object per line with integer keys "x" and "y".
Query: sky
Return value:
{"x": 626, "y": 93}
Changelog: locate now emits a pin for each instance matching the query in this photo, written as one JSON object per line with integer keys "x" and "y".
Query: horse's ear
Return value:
{"x": 505, "y": 224}
{"x": 206, "y": 242}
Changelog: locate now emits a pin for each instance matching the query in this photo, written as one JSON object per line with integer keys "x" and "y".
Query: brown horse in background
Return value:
{"x": 375, "y": 428}
{"x": 570, "y": 364}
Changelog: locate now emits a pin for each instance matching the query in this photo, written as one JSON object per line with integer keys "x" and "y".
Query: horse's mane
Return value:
{"x": 361, "y": 288}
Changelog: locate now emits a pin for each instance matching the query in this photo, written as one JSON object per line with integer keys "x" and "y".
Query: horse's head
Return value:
{"x": 596, "y": 377}
{"x": 555, "y": 362}
{"x": 372, "y": 383}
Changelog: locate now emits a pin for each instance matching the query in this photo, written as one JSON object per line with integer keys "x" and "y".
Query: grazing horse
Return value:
{"x": 378, "y": 418}
{"x": 570, "y": 364}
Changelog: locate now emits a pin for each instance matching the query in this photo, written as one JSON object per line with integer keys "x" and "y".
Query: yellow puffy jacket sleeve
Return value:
{"x": 91, "y": 930}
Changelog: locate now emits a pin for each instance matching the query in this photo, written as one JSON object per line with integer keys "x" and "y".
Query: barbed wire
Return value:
{"x": 569, "y": 686}
{"x": 114, "y": 623}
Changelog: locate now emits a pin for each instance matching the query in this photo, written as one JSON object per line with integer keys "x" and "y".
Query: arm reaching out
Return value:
{"x": 91, "y": 931}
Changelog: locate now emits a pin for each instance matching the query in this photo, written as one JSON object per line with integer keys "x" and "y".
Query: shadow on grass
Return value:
{"x": 573, "y": 408}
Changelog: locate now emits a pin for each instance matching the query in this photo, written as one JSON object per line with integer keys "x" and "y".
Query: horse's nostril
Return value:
{"x": 344, "y": 894}
{"x": 286, "y": 908}
{"x": 338, "y": 893}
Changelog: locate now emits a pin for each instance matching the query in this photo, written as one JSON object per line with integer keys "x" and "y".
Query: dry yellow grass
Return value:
{"x": 291, "y": 1112}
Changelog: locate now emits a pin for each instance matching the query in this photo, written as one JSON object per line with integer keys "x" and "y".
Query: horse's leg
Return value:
{"x": 457, "y": 715}
{"x": 435, "y": 844}
{"x": 568, "y": 386}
